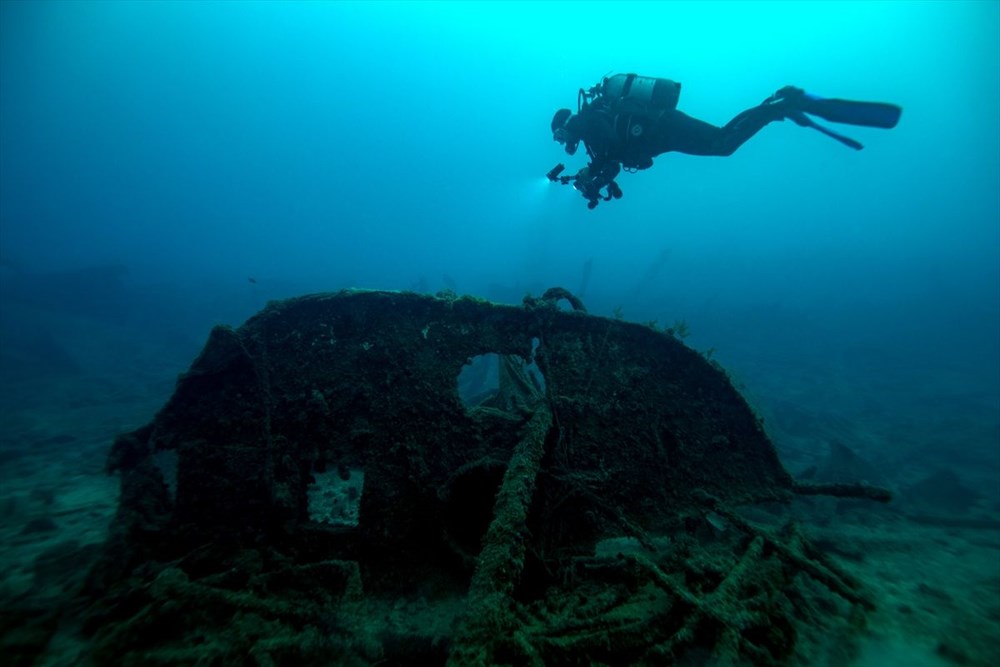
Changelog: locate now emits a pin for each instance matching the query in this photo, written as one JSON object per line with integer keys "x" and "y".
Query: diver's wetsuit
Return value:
{"x": 632, "y": 140}
{"x": 608, "y": 137}
{"x": 627, "y": 120}
{"x": 678, "y": 132}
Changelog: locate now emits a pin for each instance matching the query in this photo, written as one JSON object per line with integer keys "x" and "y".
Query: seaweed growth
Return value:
{"x": 586, "y": 517}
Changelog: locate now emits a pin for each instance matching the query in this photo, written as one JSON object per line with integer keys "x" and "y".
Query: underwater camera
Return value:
{"x": 587, "y": 184}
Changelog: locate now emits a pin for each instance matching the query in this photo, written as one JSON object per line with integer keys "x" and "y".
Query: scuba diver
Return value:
{"x": 626, "y": 120}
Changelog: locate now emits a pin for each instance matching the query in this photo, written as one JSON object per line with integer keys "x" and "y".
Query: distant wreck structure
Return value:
{"x": 327, "y": 486}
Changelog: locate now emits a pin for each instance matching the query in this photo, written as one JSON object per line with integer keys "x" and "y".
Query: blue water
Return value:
{"x": 223, "y": 154}
{"x": 315, "y": 145}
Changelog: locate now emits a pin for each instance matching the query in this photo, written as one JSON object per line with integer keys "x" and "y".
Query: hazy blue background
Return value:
{"x": 317, "y": 146}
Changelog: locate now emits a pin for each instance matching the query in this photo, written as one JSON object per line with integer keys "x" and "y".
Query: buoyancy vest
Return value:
{"x": 634, "y": 104}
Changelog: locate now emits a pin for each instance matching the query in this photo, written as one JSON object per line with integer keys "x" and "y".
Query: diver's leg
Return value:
{"x": 685, "y": 134}
{"x": 748, "y": 123}
{"x": 681, "y": 133}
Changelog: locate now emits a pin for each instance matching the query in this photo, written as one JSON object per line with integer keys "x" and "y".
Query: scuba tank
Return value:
{"x": 631, "y": 93}
{"x": 640, "y": 94}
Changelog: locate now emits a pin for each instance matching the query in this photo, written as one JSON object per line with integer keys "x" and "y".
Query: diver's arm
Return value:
{"x": 596, "y": 176}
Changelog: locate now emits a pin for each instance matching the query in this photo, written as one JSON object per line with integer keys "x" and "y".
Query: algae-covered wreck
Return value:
{"x": 581, "y": 513}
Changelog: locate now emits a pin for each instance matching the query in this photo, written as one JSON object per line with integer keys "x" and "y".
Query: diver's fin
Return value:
{"x": 800, "y": 118}
{"x": 869, "y": 114}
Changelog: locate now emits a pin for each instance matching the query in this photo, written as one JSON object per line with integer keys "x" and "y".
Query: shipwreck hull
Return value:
{"x": 598, "y": 430}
